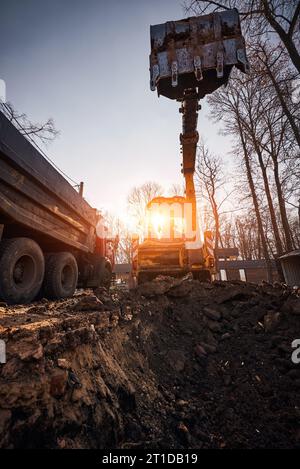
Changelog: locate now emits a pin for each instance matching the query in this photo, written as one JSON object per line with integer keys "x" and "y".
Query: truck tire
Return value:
{"x": 22, "y": 268}
{"x": 61, "y": 276}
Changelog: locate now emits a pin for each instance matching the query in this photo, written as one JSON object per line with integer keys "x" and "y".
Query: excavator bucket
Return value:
{"x": 197, "y": 52}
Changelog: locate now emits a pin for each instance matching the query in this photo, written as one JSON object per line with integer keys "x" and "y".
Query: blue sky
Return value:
{"x": 85, "y": 63}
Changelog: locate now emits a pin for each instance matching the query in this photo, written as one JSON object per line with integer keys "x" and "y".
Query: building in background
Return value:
{"x": 290, "y": 264}
{"x": 122, "y": 273}
{"x": 230, "y": 267}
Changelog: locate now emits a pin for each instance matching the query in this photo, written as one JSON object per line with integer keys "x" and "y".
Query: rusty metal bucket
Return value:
{"x": 197, "y": 52}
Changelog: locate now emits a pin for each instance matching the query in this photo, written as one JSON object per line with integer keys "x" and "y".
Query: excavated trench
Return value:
{"x": 175, "y": 364}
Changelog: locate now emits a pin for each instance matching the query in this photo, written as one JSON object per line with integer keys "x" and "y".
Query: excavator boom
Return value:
{"x": 189, "y": 139}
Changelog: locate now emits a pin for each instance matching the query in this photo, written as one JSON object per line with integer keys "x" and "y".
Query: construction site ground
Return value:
{"x": 174, "y": 364}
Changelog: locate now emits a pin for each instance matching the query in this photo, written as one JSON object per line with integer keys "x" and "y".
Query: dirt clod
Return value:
{"x": 89, "y": 303}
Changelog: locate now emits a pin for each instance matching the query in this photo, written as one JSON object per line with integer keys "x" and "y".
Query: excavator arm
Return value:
{"x": 189, "y": 139}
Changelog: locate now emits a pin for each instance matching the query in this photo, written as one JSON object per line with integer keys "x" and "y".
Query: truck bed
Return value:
{"x": 34, "y": 196}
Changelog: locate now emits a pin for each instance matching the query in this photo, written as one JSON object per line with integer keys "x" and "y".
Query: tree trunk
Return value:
{"x": 278, "y": 243}
{"x": 217, "y": 231}
{"x": 294, "y": 126}
{"x": 285, "y": 37}
{"x": 256, "y": 207}
{"x": 282, "y": 208}
{"x": 258, "y": 247}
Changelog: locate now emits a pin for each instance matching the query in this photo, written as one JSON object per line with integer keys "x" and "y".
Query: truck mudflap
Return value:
{"x": 197, "y": 52}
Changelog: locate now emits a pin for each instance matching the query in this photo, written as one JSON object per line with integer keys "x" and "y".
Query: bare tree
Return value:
{"x": 295, "y": 231}
{"x": 119, "y": 229}
{"x": 252, "y": 113}
{"x": 262, "y": 17}
{"x": 269, "y": 136}
{"x": 227, "y": 104}
{"x": 138, "y": 199}
{"x": 37, "y": 132}
{"x": 247, "y": 237}
{"x": 228, "y": 234}
{"x": 177, "y": 190}
{"x": 272, "y": 62}
{"x": 210, "y": 184}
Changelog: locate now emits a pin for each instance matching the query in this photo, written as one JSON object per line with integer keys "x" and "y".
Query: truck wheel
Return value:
{"x": 22, "y": 268}
{"x": 61, "y": 276}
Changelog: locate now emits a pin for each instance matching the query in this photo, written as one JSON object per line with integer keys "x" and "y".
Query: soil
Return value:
{"x": 174, "y": 364}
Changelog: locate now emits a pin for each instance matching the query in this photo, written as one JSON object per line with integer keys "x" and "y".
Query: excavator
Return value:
{"x": 189, "y": 59}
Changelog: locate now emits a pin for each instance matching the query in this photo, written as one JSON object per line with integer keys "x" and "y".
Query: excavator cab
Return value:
{"x": 163, "y": 249}
{"x": 171, "y": 245}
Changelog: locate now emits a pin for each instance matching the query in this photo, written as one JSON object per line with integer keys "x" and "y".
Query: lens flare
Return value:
{"x": 157, "y": 224}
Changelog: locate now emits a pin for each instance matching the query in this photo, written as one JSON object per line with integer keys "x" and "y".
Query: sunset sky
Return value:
{"x": 85, "y": 63}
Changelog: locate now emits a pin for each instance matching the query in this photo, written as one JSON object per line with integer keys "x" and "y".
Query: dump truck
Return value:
{"x": 189, "y": 59}
{"x": 51, "y": 240}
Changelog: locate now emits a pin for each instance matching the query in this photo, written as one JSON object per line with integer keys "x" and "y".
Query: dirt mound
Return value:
{"x": 174, "y": 364}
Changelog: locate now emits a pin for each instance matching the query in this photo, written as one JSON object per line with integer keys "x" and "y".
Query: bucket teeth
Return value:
{"x": 198, "y": 68}
{"x": 174, "y": 74}
{"x": 220, "y": 64}
{"x": 155, "y": 76}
